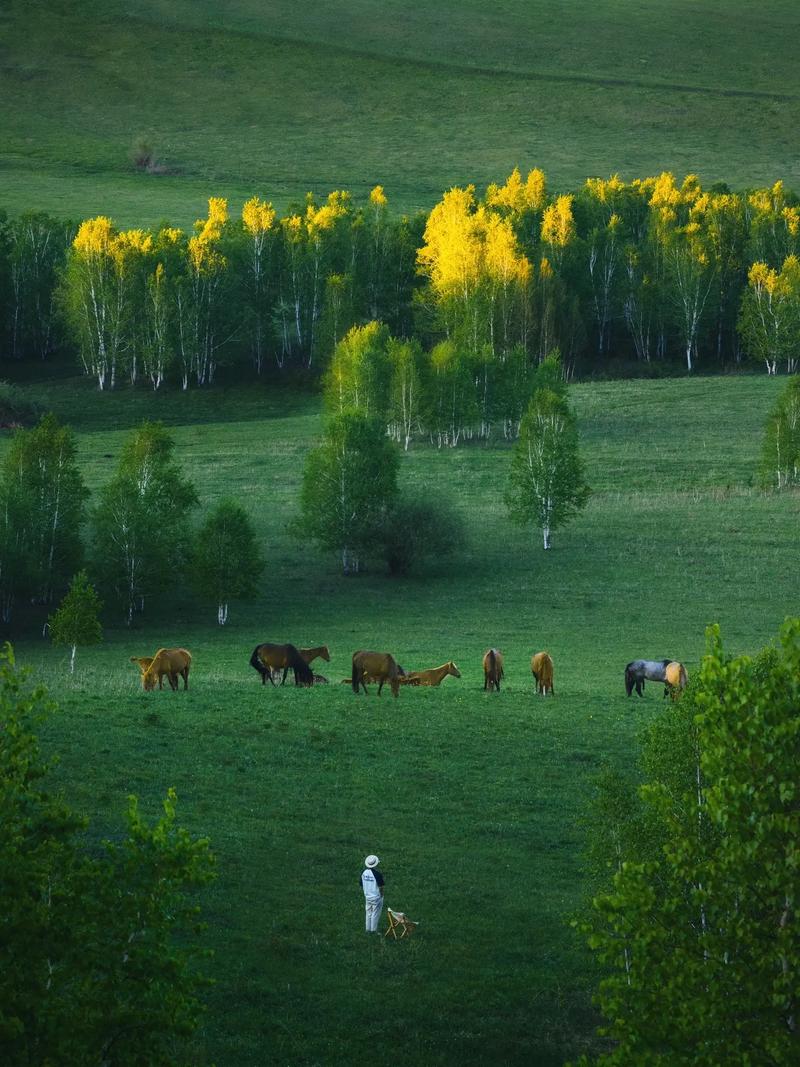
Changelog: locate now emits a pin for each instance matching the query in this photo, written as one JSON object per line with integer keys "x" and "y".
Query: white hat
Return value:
{"x": 371, "y": 861}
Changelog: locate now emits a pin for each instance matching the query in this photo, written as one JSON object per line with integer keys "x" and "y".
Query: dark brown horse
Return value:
{"x": 267, "y": 658}
{"x": 377, "y": 667}
{"x": 492, "y": 669}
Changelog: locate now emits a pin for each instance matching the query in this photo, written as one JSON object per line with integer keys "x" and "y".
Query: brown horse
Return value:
{"x": 542, "y": 671}
{"x": 310, "y": 654}
{"x": 173, "y": 662}
{"x": 433, "y": 676}
{"x": 376, "y": 667}
{"x": 267, "y": 658}
{"x": 675, "y": 678}
{"x": 492, "y": 669}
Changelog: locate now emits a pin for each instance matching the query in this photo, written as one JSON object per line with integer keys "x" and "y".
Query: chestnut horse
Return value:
{"x": 433, "y": 676}
{"x": 173, "y": 662}
{"x": 377, "y": 667}
{"x": 542, "y": 671}
{"x": 267, "y": 658}
{"x": 492, "y": 669}
{"x": 310, "y": 654}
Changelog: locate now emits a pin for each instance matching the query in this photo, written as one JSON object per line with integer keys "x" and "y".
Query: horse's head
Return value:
{"x": 452, "y": 669}
{"x": 325, "y": 654}
{"x": 144, "y": 663}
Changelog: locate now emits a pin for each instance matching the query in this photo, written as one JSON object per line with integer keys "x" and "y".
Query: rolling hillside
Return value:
{"x": 276, "y": 98}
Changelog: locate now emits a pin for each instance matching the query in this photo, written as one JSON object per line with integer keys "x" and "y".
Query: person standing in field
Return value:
{"x": 372, "y": 884}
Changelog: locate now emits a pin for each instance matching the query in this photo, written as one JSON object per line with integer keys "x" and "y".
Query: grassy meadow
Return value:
{"x": 279, "y": 98}
{"x": 473, "y": 801}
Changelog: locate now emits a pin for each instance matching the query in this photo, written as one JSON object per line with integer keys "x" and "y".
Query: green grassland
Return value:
{"x": 472, "y": 800}
{"x": 278, "y": 98}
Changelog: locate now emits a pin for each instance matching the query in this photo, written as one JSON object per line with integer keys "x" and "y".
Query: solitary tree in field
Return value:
{"x": 141, "y": 522}
{"x": 100, "y": 957}
{"x": 226, "y": 561}
{"x": 348, "y": 482}
{"x": 780, "y": 461}
{"x": 699, "y": 928}
{"x": 546, "y": 484}
{"x": 76, "y": 623}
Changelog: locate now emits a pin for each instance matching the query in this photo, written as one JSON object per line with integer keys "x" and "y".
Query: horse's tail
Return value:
{"x": 492, "y": 664}
{"x": 630, "y": 680}
{"x": 303, "y": 675}
{"x": 684, "y": 677}
{"x": 256, "y": 663}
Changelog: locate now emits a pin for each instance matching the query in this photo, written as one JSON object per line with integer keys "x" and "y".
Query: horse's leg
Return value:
{"x": 185, "y": 673}
{"x": 172, "y": 678}
{"x": 285, "y": 672}
{"x": 161, "y": 681}
{"x": 271, "y": 676}
{"x": 381, "y": 686}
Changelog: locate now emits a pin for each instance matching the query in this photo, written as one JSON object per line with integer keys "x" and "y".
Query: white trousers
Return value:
{"x": 374, "y": 906}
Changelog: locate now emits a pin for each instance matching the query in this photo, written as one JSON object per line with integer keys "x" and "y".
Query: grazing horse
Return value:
{"x": 653, "y": 670}
{"x": 267, "y": 658}
{"x": 542, "y": 671}
{"x": 310, "y": 654}
{"x": 492, "y": 669}
{"x": 433, "y": 676}
{"x": 173, "y": 662}
{"x": 675, "y": 678}
{"x": 376, "y": 667}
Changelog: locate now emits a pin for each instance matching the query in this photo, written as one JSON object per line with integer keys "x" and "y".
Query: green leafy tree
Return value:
{"x": 405, "y": 390}
{"x": 451, "y": 408}
{"x": 413, "y": 532}
{"x": 359, "y": 374}
{"x": 46, "y": 497}
{"x": 141, "y": 532}
{"x": 348, "y": 482}
{"x": 780, "y": 459}
{"x": 546, "y": 484}
{"x": 100, "y": 952}
{"x": 76, "y": 623}
{"x": 700, "y": 930}
{"x": 769, "y": 318}
{"x": 38, "y": 251}
{"x": 226, "y": 560}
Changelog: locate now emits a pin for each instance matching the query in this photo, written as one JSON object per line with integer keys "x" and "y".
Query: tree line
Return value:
{"x": 141, "y": 543}
{"x": 650, "y": 272}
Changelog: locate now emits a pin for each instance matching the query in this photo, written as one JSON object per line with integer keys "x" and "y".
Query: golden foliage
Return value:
{"x": 558, "y": 222}
{"x": 377, "y": 197}
{"x": 257, "y": 216}
{"x": 465, "y": 244}
{"x": 94, "y": 237}
{"x": 516, "y": 196}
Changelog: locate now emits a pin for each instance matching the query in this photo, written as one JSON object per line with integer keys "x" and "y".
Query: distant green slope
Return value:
{"x": 278, "y": 98}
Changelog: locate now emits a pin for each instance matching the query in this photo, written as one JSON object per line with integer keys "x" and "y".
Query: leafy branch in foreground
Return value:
{"x": 699, "y": 930}
{"x": 100, "y": 953}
